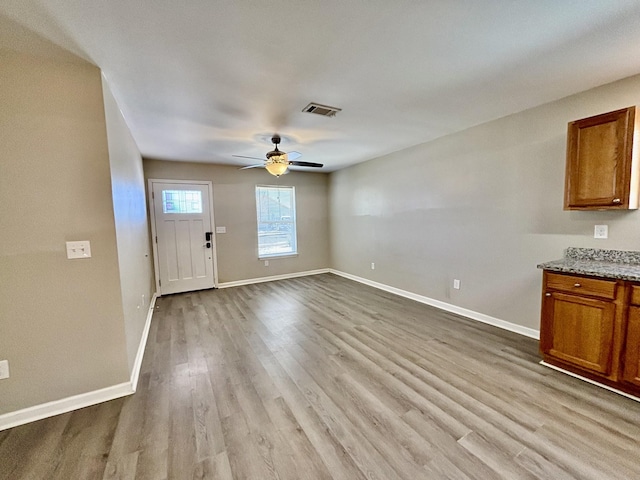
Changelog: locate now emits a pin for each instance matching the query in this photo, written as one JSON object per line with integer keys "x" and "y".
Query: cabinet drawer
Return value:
{"x": 635, "y": 295}
{"x": 583, "y": 286}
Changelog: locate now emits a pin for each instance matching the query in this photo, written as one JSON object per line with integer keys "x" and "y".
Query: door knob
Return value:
{"x": 547, "y": 294}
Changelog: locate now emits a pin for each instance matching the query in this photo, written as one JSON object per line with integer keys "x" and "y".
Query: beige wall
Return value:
{"x": 235, "y": 208}
{"x": 130, "y": 212}
{"x": 61, "y": 321}
{"x": 483, "y": 206}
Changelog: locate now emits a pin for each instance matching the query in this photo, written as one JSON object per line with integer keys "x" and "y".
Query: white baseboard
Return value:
{"x": 64, "y": 405}
{"x": 137, "y": 364}
{"x": 75, "y": 402}
{"x": 588, "y": 380}
{"x": 285, "y": 276}
{"x": 480, "y": 317}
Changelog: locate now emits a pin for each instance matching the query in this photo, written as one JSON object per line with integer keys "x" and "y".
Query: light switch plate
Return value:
{"x": 80, "y": 249}
{"x": 221, "y": 229}
{"x": 601, "y": 231}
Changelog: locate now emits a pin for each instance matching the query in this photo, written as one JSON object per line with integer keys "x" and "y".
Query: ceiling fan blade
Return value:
{"x": 253, "y": 158}
{"x": 306, "y": 164}
{"x": 293, "y": 155}
{"x": 252, "y": 166}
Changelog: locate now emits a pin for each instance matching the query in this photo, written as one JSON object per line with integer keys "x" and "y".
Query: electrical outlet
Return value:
{"x": 601, "y": 231}
{"x": 266, "y": 263}
{"x": 456, "y": 284}
{"x": 80, "y": 249}
{"x": 4, "y": 369}
{"x": 373, "y": 266}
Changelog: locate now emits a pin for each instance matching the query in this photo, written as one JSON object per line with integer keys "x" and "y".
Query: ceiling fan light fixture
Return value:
{"x": 277, "y": 167}
{"x": 278, "y": 161}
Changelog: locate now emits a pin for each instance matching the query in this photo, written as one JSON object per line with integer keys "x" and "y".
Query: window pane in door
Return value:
{"x": 181, "y": 201}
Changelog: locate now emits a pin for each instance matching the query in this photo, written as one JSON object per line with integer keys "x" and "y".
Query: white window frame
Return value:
{"x": 278, "y": 223}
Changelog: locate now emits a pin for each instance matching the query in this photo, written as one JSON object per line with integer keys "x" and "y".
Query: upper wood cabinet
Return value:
{"x": 602, "y": 169}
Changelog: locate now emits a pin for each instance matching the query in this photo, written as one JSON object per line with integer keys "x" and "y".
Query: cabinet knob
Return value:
{"x": 547, "y": 294}
{"x": 616, "y": 200}
{"x": 577, "y": 285}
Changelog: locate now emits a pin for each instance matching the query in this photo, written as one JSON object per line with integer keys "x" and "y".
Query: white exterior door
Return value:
{"x": 184, "y": 239}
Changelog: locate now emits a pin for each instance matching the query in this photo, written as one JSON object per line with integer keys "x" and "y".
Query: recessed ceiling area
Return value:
{"x": 205, "y": 80}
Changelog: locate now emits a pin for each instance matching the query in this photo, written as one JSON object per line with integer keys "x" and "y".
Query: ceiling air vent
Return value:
{"x": 323, "y": 110}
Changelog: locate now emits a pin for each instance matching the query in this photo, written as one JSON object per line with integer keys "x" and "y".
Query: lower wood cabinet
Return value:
{"x": 581, "y": 331}
{"x": 631, "y": 372}
{"x": 588, "y": 327}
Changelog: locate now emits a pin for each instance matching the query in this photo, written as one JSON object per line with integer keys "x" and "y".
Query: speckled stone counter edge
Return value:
{"x": 618, "y": 264}
{"x": 599, "y": 255}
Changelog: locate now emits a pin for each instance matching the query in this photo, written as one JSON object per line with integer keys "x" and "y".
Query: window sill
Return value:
{"x": 273, "y": 257}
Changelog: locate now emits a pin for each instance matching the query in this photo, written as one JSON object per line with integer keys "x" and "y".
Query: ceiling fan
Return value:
{"x": 278, "y": 162}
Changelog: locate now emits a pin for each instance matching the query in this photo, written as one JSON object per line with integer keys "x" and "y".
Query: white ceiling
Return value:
{"x": 201, "y": 80}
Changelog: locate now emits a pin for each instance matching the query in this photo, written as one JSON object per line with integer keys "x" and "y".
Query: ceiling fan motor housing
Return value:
{"x": 276, "y": 152}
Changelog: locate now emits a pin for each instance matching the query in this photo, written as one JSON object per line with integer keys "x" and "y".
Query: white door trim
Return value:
{"x": 152, "y": 216}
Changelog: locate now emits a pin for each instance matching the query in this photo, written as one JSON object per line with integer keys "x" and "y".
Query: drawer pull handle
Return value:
{"x": 547, "y": 294}
{"x": 577, "y": 285}
{"x": 616, "y": 200}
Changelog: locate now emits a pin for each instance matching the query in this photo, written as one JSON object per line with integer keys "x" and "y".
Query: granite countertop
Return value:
{"x": 618, "y": 264}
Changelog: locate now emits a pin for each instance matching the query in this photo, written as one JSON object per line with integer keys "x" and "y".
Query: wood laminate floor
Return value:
{"x": 323, "y": 378}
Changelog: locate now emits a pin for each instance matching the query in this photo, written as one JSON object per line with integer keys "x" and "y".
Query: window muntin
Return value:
{"x": 276, "y": 208}
{"x": 181, "y": 201}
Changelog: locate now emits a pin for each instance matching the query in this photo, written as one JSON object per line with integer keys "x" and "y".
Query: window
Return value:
{"x": 276, "y": 208}
{"x": 181, "y": 201}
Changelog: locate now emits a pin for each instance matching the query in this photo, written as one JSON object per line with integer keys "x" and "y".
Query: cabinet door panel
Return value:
{"x": 631, "y": 371}
{"x": 599, "y": 156}
{"x": 635, "y": 295}
{"x": 581, "y": 331}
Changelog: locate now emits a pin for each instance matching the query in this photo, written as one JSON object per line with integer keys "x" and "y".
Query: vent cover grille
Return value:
{"x": 324, "y": 110}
